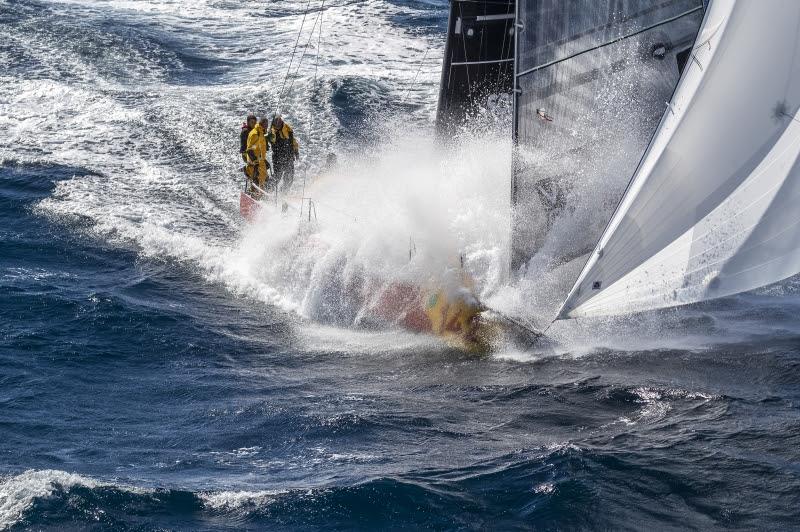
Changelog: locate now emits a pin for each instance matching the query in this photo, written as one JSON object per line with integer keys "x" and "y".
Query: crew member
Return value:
{"x": 247, "y": 127}
{"x": 285, "y": 151}
{"x": 256, "y": 152}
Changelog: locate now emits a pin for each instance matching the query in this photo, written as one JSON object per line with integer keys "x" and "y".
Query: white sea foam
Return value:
{"x": 656, "y": 403}
{"x": 18, "y": 492}
{"x": 546, "y": 488}
{"x": 238, "y": 500}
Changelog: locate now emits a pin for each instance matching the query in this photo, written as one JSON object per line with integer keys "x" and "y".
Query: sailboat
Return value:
{"x": 450, "y": 309}
{"x": 667, "y": 131}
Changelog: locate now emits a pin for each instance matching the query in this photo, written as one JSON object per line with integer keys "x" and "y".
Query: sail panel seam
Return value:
{"x": 609, "y": 43}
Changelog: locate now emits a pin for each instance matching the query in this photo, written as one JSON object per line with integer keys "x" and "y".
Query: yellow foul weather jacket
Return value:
{"x": 257, "y": 153}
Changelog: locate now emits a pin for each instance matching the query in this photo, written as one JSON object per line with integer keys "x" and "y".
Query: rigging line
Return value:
{"x": 305, "y": 49}
{"x": 519, "y": 324}
{"x": 313, "y": 114}
{"x": 291, "y": 60}
{"x": 319, "y": 43}
{"x": 414, "y": 81}
{"x": 537, "y": 337}
{"x": 341, "y": 212}
{"x": 480, "y": 43}
{"x": 464, "y": 42}
{"x": 608, "y": 43}
{"x": 502, "y": 69}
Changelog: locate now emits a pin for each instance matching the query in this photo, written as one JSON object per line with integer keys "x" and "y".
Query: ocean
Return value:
{"x": 166, "y": 366}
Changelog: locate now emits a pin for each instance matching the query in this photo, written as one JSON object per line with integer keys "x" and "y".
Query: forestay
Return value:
{"x": 713, "y": 208}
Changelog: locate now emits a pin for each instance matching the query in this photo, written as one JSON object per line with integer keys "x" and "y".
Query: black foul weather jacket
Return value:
{"x": 243, "y": 140}
{"x": 284, "y": 146}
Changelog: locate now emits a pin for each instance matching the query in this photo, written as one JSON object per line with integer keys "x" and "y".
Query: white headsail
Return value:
{"x": 714, "y": 206}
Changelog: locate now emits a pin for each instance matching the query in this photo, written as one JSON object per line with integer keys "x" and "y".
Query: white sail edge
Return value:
{"x": 707, "y": 213}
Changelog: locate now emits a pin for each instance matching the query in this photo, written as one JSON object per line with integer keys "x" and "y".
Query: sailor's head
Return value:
{"x": 264, "y": 122}
{"x": 251, "y": 121}
{"x": 277, "y": 121}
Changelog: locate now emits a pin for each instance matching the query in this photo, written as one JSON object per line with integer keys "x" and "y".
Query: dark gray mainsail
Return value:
{"x": 478, "y": 58}
{"x": 592, "y": 81}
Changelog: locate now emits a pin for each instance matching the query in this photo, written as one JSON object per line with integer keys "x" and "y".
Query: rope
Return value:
{"x": 414, "y": 81}
{"x": 503, "y": 69}
{"x": 299, "y": 33}
{"x": 517, "y": 323}
{"x": 319, "y": 44}
{"x": 314, "y": 84}
{"x": 466, "y": 59}
{"x": 305, "y": 49}
{"x": 535, "y": 334}
{"x": 346, "y": 214}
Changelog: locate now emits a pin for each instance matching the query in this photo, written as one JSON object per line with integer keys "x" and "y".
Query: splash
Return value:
{"x": 410, "y": 211}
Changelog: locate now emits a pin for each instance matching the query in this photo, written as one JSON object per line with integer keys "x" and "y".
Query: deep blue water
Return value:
{"x": 135, "y": 393}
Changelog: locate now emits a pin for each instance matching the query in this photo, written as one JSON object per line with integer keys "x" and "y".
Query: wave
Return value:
{"x": 49, "y": 498}
{"x": 52, "y": 498}
{"x": 555, "y": 486}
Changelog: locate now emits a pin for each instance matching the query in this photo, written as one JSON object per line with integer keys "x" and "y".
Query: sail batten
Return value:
{"x": 709, "y": 211}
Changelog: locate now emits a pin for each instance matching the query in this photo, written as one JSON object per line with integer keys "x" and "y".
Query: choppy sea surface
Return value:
{"x": 165, "y": 366}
